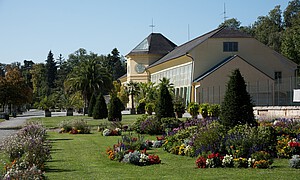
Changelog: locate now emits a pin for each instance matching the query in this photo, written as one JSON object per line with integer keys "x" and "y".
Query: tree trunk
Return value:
{"x": 132, "y": 105}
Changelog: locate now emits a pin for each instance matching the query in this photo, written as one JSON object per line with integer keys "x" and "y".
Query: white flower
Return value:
{"x": 227, "y": 160}
{"x": 143, "y": 158}
{"x": 251, "y": 162}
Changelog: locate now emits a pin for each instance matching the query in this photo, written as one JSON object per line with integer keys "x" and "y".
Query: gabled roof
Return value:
{"x": 222, "y": 63}
{"x": 155, "y": 43}
{"x": 221, "y": 32}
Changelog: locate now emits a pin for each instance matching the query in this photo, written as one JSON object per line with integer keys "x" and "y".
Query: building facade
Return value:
{"x": 200, "y": 68}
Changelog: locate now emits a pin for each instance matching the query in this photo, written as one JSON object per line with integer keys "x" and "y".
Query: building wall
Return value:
{"x": 210, "y": 53}
{"x": 212, "y": 88}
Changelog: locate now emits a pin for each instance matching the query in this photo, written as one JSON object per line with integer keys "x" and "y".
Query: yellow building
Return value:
{"x": 200, "y": 68}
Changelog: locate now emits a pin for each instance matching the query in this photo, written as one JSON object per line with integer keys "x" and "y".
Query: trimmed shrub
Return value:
{"x": 237, "y": 107}
{"x": 91, "y": 105}
{"x": 100, "y": 109}
{"x": 114, "y": 109}
{"x": 164, "y": 106}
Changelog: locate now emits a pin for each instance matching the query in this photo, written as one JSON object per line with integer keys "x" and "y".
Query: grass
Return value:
{"x": 82, "y": 156}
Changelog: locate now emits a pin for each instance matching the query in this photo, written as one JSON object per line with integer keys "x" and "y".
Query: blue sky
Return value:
{"x": 30, "y": 28}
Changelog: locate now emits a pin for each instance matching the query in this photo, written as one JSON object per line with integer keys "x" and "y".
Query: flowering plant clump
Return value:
{"x": 240, "y": 162}
{"x": 262, "y": 159}
{"x": 295, "y": 162}
{"x": 74, "y": 127}
{"x": 201, "y": 162}
{"x": 113, "y": 132}
{"x": 294, "y": 144}
{"x": 227, "y": 161}
{"x": 261, "y": 164}
{"x": 282, "y": 146}
{"x": 214, "y": 160}
{"x": 129, "y": 150}
{"x": 21, "y": 170}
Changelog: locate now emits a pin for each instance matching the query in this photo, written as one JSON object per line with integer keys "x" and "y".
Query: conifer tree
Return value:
{"x": 114, "y": 109}
{"x": 164, "y": 106}
{"x": 100, "y": 108}
{"x": 237, "y": 107}
{"x": 92, "y": 104}
{"x": 51, "y": 71}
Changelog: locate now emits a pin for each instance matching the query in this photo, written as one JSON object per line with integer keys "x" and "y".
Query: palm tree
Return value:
{"x": 133, "y": 90}
{"x": 147, "y": 91}
{"x": 89, "y": 77}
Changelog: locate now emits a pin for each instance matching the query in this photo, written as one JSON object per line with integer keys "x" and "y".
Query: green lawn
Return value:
{"x": 82, "y": 156}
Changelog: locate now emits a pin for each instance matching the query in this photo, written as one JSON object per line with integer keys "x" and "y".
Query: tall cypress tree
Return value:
{"x": 100, "y": 108}
{"x": 51, "y": 71}
{"x": 237, "y": 107}
{"x": 92, "y": 105}
{"x": 114, "y": 108}
{"x": 164, "y": 106}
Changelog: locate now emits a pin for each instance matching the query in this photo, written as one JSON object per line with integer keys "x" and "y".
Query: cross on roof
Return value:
{"x": 152, "y": 25}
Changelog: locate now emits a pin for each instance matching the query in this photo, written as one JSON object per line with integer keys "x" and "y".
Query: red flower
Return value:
{"x": 130, "y": 150}
{"x": 201, "y": 162}
{"x": 293, "y": 144}
{"x": 154, "y": 159}
{"x": 160, "y": 138}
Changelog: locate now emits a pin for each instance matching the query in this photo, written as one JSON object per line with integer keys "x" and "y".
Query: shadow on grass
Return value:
{"x": 59, "y": 139}
{"x": 56, "y": 160}
{"x": 11, "y": 128}
{"x": 48, "y": 170}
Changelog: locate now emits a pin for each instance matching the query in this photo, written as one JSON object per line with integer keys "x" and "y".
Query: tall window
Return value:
{"x": 230, "y": 46}
{"x": 278, "y": 76}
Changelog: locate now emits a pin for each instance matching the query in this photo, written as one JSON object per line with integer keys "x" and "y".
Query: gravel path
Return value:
{"x": 7, "y": 127}
{"x": 10, "y": 126}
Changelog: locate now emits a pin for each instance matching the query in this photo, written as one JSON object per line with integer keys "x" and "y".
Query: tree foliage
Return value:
{"x": 89, "y": 77}
{"x": 231, "y": 23}
{"x": 114, "y": 64}
{"x": 13, "y": 88}
{"x": 133, "y": 90}
{"x": 237, "y": 107}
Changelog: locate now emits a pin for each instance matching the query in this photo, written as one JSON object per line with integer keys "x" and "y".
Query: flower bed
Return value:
{"x": 133, "y": 150}
{"x": 74, "y": 127}
{"x": 112, "y": 132}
